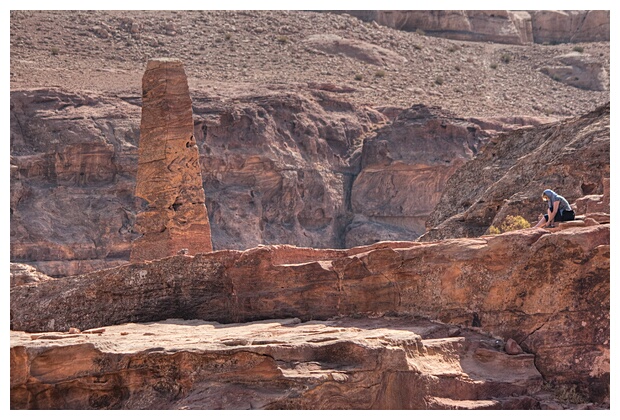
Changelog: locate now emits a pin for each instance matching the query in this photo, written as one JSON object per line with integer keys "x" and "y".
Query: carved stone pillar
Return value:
{"x": 173, "y": 218}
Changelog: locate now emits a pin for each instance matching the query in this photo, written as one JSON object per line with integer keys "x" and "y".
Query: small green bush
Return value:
{"x": 283, "y": 39}
{"x": 359, "y": 77}
{"x": 380, "y": 73}
{"x": 506, "y": 57}
{"x": 55, "y": 50}
{"x": 420, "y": 31}
{"x": 509, "y": 224}
{"x": 439, "y": 80}
{"x": 569, "y": 394}
{"x": 493, "y": 66}
{"x": 578, "y": 48}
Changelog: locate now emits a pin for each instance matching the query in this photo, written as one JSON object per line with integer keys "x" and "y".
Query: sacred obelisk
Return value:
{"x": 173, "y": 217}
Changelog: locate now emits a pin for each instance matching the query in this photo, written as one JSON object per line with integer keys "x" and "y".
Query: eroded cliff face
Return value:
{"x": 279, "y": 169}
{"x": 308, "y": 169}
{"x": 501, "y": 26}
{"x": 404, "y": 169}
{"x": 73, "y": 164}
{"x": 508, "y": 176}
{"x": 552, "y": 298}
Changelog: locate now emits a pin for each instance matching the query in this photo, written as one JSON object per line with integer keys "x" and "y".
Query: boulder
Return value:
{"x": 579, "y": 70}
{"x": 512, "y": 347}
{"x": 561, "y": 26}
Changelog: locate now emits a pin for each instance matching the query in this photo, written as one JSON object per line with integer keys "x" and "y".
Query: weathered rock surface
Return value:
{"x": 580, "y": 70}
{"x": 554, "y": 26}
{"x": 552, "y": 299}
{"x": 509, "y": 174}
{"x": 24, "y": 273}
{"x": 404, "y": 168}
{"x": 73, "y": 162}
{"x": 502, "y": 26}
{"x": 74, "y": 155}
{"x": 279, "y": 168}
{"x": 387, "y": 363}
{"x": 358, "y": 50}
{"x": 173, "y": 215}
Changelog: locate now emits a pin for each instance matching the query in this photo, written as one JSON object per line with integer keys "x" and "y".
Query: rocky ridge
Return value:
{"x": 508, "y": 176}
{"x": 461, "y": 282}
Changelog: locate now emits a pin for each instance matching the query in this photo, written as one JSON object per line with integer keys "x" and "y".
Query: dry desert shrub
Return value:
{"x": 509, "y": 224}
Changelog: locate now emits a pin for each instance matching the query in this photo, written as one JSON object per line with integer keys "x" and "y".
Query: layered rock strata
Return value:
{"x": 554, "y": 293}
{"x": 509, "y": 174}
{"x": 501, "y": 26}
{"x": 73, "y": 164}
{"x": 404, "y": 168}
{"x": 278, "y": 168}
{"x": 555, "y": 26}
{"x": 173, "y": 217}
{"x": 395, "y": 363}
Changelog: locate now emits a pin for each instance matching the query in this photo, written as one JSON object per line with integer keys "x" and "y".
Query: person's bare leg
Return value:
{"x": 541, "y": 222}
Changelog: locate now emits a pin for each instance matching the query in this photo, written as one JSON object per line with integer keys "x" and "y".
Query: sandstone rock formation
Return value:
{"x": 395, "y": 363}
{"x": 509, "y": 174}
{"x": 73, "y": 163}
{"x": 173, "y": 216}
{"x": 359, "y": 50}
{"x": 501, "y": 26}
{"x": 579, "y": 70}
{"x": 279, "y": 168}
{"x": 404, "y": 168}
{"x": 466, "y": 25}
{"x": 543, "y": 305}
{"x": 554, "y": 26}
{"x": 74, "y": 147}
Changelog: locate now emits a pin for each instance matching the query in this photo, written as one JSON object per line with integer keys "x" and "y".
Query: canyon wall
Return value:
{"x": 299, "y": 168}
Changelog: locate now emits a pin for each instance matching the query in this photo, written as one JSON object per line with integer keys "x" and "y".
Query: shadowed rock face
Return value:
{"x": 552, "y": 299}
{"x": 73, "y": 164}
{"x": 404, "y": 168}
{"x": 174, "y": 216}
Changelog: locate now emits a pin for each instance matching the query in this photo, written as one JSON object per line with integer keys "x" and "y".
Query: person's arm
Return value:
{"x": 556, "y": 206}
